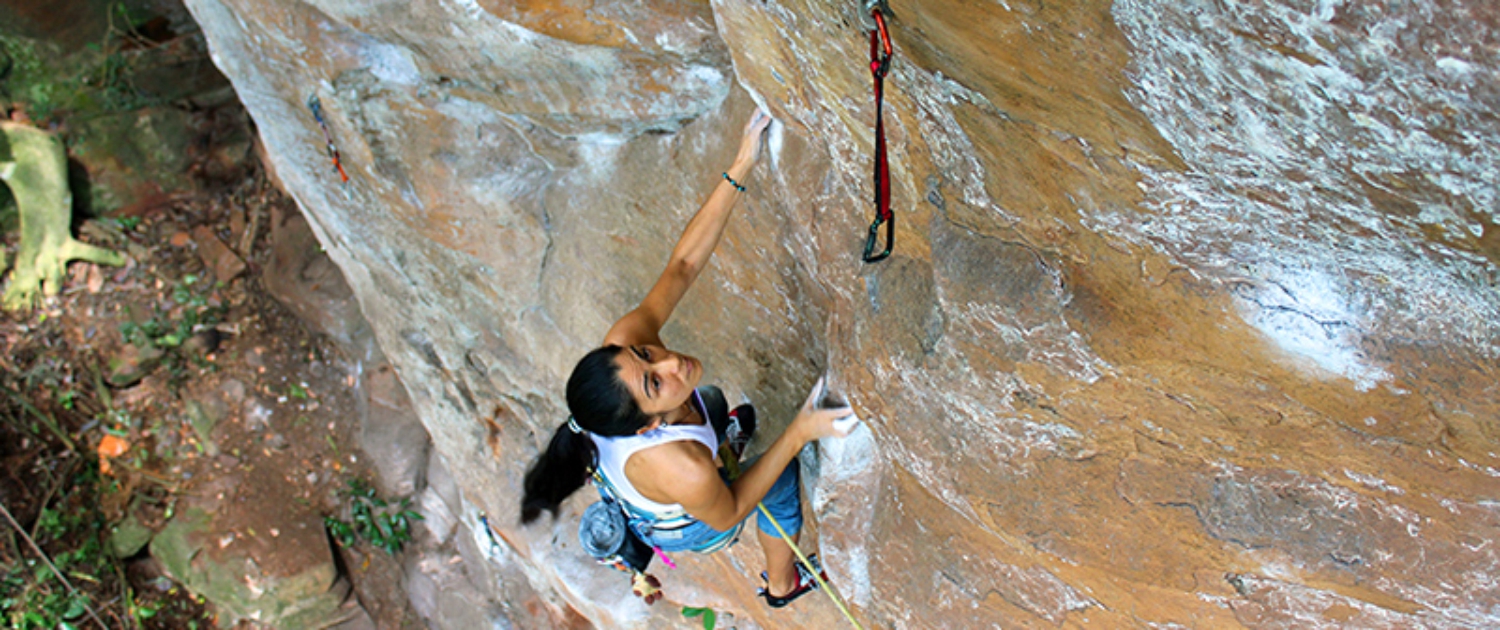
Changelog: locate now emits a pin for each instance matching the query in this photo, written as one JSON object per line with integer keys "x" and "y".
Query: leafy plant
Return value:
{"x": 162, "y": 330}
{"x": 710, "y": 618}
{"x": 169, "y": 328}
{"x": 372, "y": 519}
{"x": 32, "y": 594}
{"x": 98, "y": 79}
{"x": 29, "y": 78}
{"x": 127, "y": 224}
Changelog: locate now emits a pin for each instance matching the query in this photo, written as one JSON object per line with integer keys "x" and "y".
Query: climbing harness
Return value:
{"x": 880, "y": 64}
{"x": 605, "y": 534}
{"x": 333, "y": 152}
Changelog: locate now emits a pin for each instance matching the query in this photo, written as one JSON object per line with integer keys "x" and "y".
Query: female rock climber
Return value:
{"x": 638, "y": 417}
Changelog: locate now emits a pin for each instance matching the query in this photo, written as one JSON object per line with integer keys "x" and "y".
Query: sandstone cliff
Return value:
{"x": 1192, "y": 318}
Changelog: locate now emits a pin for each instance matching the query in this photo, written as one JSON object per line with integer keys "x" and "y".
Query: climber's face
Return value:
{"x": 660, "y": 380}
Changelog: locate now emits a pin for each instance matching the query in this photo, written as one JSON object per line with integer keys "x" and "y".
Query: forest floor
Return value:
{"x": 174, "y": 378}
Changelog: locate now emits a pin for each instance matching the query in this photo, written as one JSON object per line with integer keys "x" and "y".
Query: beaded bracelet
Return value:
{"x": 736, "y": 184}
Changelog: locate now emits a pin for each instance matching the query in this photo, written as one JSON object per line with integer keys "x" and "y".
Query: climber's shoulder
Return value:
{"x": 673, "y": 471}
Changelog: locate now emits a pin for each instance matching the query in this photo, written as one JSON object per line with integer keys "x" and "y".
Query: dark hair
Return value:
{"x": 600, "y": 403}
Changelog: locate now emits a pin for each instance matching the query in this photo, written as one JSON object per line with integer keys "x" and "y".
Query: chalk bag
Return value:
{"x": 605, "y": 535}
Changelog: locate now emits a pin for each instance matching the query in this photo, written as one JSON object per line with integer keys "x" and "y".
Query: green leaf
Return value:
{"x": 384, "y": 527}
{"x": 75, "y": 608}
{"x": 710, "y": 618}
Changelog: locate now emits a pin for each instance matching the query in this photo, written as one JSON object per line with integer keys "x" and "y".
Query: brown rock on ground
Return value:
{"x": 225, "y": 264}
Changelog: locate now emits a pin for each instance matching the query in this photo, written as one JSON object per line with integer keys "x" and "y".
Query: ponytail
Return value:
{"x": 601, "y": 405}
{"x": 560, "y": 470}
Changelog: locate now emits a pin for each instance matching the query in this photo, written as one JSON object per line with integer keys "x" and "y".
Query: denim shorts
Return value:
{"x": 783, "y": 501}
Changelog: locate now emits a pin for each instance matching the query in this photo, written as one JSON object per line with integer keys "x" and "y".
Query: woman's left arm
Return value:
{"x": 693, "y": 249}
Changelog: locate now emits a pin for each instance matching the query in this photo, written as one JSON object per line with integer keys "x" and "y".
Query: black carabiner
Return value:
{"x": 874, "y": 237}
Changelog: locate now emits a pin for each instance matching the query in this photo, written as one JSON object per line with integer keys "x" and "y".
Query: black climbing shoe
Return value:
{"x": 805, "y": 584}
{"x": 741, "y": 429}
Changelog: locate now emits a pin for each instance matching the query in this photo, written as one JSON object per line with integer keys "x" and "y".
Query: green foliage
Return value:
{"x": 31, "y": 79}
{"x": 168, "y": 329}
{"x": 124, "y": 224}
{"x": 372, "y": 519}
{"x": 31, "y": 594}
{"x": 710, "y": 618}
{"x": 99, "y": 79}
{"x": 68, "y": 509}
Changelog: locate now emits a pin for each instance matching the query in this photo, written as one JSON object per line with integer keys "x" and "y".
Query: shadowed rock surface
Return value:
{"x": 1192, "y": 317}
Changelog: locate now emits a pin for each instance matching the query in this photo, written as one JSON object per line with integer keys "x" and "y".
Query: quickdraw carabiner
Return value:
{"x": 880, "y": 64}
{"x": 878, "y": 10}
{"x": 316, "y": 105}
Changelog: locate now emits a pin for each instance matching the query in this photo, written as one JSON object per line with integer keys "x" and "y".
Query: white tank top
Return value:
{"x": 615, "y": 451}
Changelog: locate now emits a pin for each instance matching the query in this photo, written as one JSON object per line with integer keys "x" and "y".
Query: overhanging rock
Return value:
{"x": 1119, "y": 354}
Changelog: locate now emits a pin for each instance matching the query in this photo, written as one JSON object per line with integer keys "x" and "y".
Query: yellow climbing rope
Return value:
{"x": 837, "y": 601}
{"x": 732, "y": 464}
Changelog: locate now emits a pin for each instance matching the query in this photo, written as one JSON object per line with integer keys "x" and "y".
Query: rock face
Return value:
{"x": 1192, "y": 317}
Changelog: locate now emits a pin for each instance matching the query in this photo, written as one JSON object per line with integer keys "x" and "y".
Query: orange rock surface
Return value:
{"x": 1191, "y": 321}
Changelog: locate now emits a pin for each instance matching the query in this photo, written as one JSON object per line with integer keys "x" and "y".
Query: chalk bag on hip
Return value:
{"x": 605, "y": 535}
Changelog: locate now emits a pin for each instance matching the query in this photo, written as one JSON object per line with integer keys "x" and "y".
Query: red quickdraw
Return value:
{"x": 880, "y": 64}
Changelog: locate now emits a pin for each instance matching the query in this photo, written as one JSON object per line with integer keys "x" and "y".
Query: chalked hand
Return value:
{"x": 817, "y": 416}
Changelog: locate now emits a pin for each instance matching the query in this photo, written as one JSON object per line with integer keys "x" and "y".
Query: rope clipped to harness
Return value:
{"x": 880, "y": 64}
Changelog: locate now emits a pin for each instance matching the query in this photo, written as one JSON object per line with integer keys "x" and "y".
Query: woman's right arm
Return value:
{"x": 721, "y": 507}
{"x": 694, "y": 248}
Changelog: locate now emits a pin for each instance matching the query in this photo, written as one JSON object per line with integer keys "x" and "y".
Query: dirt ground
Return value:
{"x": 246, "y": 414}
